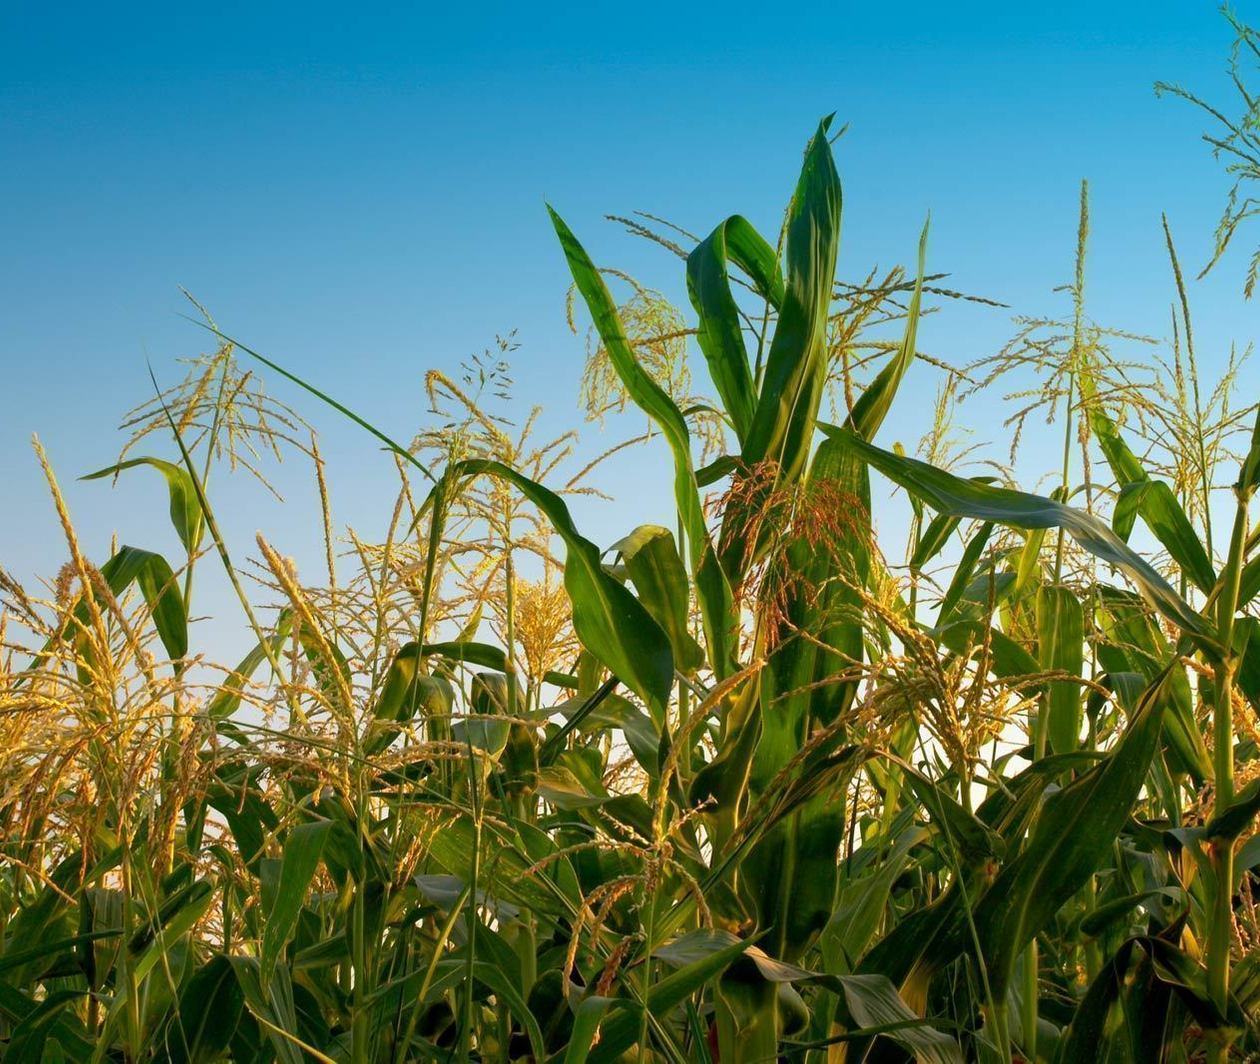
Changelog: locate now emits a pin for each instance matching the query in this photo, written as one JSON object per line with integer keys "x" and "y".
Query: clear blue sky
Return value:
{"x": 359, "y": 194}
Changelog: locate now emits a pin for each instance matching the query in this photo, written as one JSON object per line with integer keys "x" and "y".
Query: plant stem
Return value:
{"x": 1220, "y": 929}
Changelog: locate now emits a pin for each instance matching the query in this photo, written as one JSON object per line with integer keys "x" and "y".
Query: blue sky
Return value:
{"x": 360, "y": 195}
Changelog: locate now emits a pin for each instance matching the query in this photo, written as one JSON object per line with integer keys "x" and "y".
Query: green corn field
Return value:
{"x": 760, "y": 785}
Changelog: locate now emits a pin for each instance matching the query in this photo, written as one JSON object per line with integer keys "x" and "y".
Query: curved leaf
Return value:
{"x": 186, "y": 515}
{"x": 712, "y": 588}
{"x": 875, "y": 401}
{"x": 611, "y": 623}
{"x": 947, "y": 493}
{"x": 721, "y": 330}
{"x": 652, "y": 562}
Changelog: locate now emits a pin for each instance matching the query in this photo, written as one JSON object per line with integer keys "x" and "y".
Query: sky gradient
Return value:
{"x": 361, "y": 197}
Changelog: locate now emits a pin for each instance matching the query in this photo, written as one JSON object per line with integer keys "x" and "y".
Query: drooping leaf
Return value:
{"x": 947, "y": 493}
{"x": 721, "y": 329}
{"x": 712, "y": 588}
{"x": 657, "y": 572}
{"x": 470, "y": 652}
{"x": 611, "y": 623}
{"x": 186, "y": 515}
{"x": 1141, "y": 496}
{"x": 153, "y": 575}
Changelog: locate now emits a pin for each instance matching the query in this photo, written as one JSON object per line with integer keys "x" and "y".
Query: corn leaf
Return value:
{"x": 652, "y": 562}
{"x": 721, "y": 328}
{"x": 1060, "y": 645}
{"x": 876, "y": 400}
{"x": 782, "y": 428}
{"x": 1072, "y": 836}
{"x": 947, "y": 493}
{"x": 289, "y": 883}
{"x": 186, "y": 516}
{"x": 611, "y": 623}
{"x": 712, "y": 588}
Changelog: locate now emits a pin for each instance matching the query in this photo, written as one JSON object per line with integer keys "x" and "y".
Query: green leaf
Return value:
{"x": 1061, "y": 645}
{"x": 721, "y": 330}
{"x": 1089, "y": 1033}
{"x": 610, "y": 622}
{"x": 156, "y": 581}
{"x": 509, "y": 998}
{"x": 838, "y": 576}
{"x": 712, "y": 589}
{"x": 869, "y": 1002}
{"x": 470, "y": 652}
{"x": 249, "y": 816}
{"x": 1073, "y": 834}
{"x": 810, "y": 683}
{"x": 974, "y": 840}
{"x": 1107, "y": 914}
{"x": 210, "y": 1007}
{"x": 166, "y": 605}
{"x": 586, "y": 1020}
{"x": 873, "y": 1003}
{"x": 861, "y": 903}
{"x": 874, "y": 403}
{"x": 407, "y": 692}
{"x": 39, "y": 924}
{"x": 1249, "y": 471}
{"x": 1235, "y": 818}
{"x": 695, "y": 947}
{"x": 177, "y": 916}
{"x": 49, "y": 951}
{"x": 559, "y": 787}
{"x": 1155, "y": 503}
{"x": 725, "y": 466}
{"x": 1007, "y": 658}
{"x": 932, "y": 540}
{"x": 707, "y": 954}
{"x": 1141, "y": 965}
{"x": 47, "y": 1019}
{"x": 963, "y": 572}
{"x": 1140, "y": 496}
{"x": 949, "y": 494}
{"x": 272, "y": 1004}
{"x": 228, "y": 698}
{"x": 186, "y": 515}
{"x": 782, "y": 427}
{"x": 1136, "y": 643}
{"x": 657, "y": 572}
{"x": 303, "y": 847}
{"x": 29, "y": 1038}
